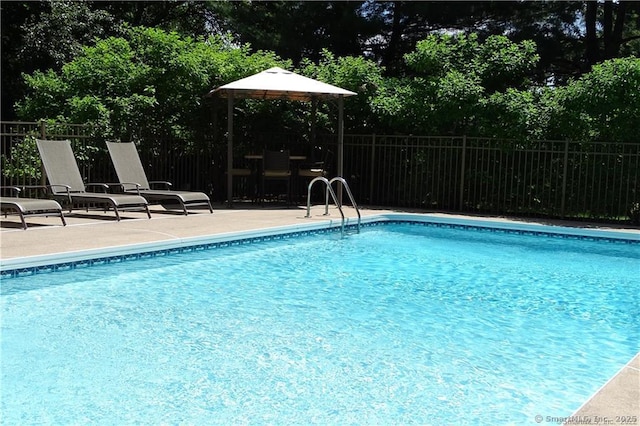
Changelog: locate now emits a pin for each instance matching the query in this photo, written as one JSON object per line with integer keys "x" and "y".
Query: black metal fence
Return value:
{"x": 188, "y": 167}
{"x": 590, "y": 180}
{"x": 597, "y": 180}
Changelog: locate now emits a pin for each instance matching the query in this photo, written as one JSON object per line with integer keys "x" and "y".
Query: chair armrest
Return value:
{"x": 316, "y": 165}
{"x": 66, "y": 188}
{"x": 67, "y": 191}
{"x": 104, "y": 186}
{"x": 45, "y": 189}
{"x": 12, "y": 188}
{"x": 125, "y": 186}
{"x": 167, "y": 185}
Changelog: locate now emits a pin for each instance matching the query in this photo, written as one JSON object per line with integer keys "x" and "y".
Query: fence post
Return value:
{"x": 564, "y": 177}
{"x": 373, "y": 162}
{"x": 43, "y": 135}
{"x": 463, "y": 165}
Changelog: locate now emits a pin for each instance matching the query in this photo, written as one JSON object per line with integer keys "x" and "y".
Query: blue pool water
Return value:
{"x": 399, "y": 324}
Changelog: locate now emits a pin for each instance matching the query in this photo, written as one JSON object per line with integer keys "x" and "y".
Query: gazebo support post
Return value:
{"x": 340, "y": 144}
{"x": 276, "y": 83}
{"x": 230, "y": 149}
{"x": 314, "y": 114}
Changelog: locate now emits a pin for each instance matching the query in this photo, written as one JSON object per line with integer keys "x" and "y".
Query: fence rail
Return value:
{"x": 591, "y": 180}
{"x": 552, "y": 178}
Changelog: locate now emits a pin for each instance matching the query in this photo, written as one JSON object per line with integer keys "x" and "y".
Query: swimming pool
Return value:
{"x": 402, "y": 323}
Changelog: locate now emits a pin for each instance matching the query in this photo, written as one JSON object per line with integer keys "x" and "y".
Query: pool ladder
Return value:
{"x": 329, "y": 190}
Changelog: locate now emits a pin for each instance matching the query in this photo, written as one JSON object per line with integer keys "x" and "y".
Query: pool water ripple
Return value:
{"x": 398, "y": 324}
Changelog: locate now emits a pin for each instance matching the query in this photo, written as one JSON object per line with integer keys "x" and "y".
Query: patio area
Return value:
{"x": 97, "y": 230}
{"x": 92, "y": 231}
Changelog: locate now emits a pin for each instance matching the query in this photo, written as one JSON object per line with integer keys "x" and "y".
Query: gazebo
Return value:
{"x": 277, "y": 83}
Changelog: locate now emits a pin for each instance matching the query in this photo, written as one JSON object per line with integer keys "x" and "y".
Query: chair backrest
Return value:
{"x": 60, "y": 165}
{"x": 126, "y": 161}
{"x": 326, "y": 160}
{"x": 319, "y": 168}
{"x": 276, "y": 160}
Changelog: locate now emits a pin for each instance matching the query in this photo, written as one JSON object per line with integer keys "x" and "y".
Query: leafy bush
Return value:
{"x": 23, "y": 162}
{"x": 151, "y": 81}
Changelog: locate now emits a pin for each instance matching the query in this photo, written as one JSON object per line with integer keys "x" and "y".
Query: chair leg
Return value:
{"x": 24, "y": 222}
{"x": 261, "y": 196}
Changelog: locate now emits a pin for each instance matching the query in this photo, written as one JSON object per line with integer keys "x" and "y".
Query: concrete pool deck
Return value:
{"x": 617, "y": 401}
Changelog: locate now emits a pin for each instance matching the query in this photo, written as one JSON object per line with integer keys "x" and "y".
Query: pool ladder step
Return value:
{"x": 329, "y": 191}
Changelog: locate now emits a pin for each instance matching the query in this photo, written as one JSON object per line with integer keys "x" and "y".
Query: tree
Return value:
{"x": 354, "y": 73}
{"x": 189, "y": 18}
{"x": 151, "y": 81}
{"x": 453, "y": 76}
{"x": 296, "y": 30}
{"x": 570, "y": 36}
{"x": 603, "y": 105}
{"x": 512, "y": 114}
{"x": 402, "y": 24}
{"x": 43, "y": 35}
{"x": 608, "y": 42}
{"x": 46, "y": 34}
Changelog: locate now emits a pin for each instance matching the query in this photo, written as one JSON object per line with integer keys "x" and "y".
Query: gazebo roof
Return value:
{"x": 277, "y": 83}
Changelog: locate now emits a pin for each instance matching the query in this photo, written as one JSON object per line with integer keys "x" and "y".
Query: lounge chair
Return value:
{"x": 66, "y": 183}
{"x": 133, "y": 179}
{"x": 26, "y": 207}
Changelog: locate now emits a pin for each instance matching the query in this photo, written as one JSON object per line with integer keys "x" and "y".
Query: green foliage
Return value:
{"x": 23, "y": 161}
{"x": 497, "y": 63}
{"x": 357, "y": 74}
{"x": 50, "y": 33}
{"x": 457, "y": 79}
{"x": 438, "y": 54}
{"x": 58, "y": 34}
{"x": 502, "y": 64}
{"x": 47, "y": 98}
{"x": 601, "y": 105}
{"x": 456, "y": 98}
{"x": 396, "y": 104}
{"x": 509, "y": 114}
{"x": 296, "y": 30}
{"x": 151, "y": 81}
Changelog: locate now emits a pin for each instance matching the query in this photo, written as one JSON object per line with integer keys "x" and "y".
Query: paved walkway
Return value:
{"x": 96, "y": 230}
{"x": 101, "y": 230}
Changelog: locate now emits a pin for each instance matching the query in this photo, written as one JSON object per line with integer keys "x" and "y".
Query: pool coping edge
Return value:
{"x": 21, "y": 263}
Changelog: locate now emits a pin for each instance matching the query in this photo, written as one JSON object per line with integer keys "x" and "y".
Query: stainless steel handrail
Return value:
{"x": 353, "y": 201}
{"x": 329, "y": 190}
{"x": 333, "y": 194}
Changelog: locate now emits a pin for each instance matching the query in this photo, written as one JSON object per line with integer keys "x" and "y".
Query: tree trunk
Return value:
{"x": 394, "y": 38}
{"x": 612, "y": 27}
{"x": 612, "y": 49}
{"x": 592, "y": 54}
